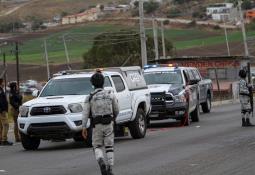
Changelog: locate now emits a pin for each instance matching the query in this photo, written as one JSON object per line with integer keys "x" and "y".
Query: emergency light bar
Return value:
{"x": 160, "y": 65}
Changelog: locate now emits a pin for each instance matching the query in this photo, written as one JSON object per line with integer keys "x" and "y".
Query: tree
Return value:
{"x": 246, "y": 5}
{"x": 150, "y": 6}
{"x": 181, "y": 1}
{"x": 114, "y": 49}
{"x": 10, "y": 25}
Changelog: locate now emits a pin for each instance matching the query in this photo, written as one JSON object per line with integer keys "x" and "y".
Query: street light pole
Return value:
{"x": 155, "y": 35}
{"x": 246, "y": 51}
{"x": 163, "y": 40}
{"x": 5, "y": 77}
{"x": 46, "y": 58}
{"x": 67, "y": 54}
{"x": 17, "y": 62}
{"x": 226, "y": 37}
{"x": 142, "y": 34}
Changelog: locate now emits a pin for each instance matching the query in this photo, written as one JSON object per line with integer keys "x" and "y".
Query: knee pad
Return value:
{"x": 98, "y": 153}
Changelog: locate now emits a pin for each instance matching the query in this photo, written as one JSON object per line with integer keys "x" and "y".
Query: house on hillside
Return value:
{"x": 222, "y": 12}
{"x": 116, "y": 9}
{"x": 89, "y": 15}
{"x": 250, "y": 15}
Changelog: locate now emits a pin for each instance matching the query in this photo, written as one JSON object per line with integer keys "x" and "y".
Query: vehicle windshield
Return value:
{"x": 166, "y": 77}
{"x": 68, "y": 86}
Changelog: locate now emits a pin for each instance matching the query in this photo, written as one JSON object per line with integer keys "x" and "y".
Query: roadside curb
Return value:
{"x": 224, "y": 102}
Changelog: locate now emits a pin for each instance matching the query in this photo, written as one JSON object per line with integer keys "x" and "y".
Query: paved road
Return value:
{"x": 214, "y": 146}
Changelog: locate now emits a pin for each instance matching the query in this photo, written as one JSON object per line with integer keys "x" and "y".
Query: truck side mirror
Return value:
{"x": 192, "y": 82}
{"x": 109, "y": 89}
{"x": 35, "y": 93}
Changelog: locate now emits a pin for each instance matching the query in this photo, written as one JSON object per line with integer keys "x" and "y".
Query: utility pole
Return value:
{"x": 46, "y": 58}
{"x": 17, "y": 62}
{"x": 155, "y": 35}
{"x": 163, "y": 40}
{"x": 5, "y": 74}
{"x": 246, "y": 51}
{"x": 67, "y": 54}
{"x": 226, "y": 36}
{"x": 142, "y": 34}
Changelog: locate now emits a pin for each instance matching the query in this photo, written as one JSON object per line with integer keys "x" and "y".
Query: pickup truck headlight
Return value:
{"x": 75, "y": 108}
{"x": 180, "y": 98}
{"x": 23, "y": 111}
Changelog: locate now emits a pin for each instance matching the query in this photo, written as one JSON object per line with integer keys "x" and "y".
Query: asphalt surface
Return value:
{"x": 216, "y": 145}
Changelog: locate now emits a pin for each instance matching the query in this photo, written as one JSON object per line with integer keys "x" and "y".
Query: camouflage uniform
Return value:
{"x": 244, "y": 95}
{"x": 101, "y": 103}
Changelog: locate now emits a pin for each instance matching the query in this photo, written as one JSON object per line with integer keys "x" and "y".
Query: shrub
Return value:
{"x": 166, "y": 22}
{"x": 174, "y": 13}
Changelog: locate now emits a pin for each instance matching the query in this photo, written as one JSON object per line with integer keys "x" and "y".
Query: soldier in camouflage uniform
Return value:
{"x": 244, "y": 95}
{"x": 102, "y": 108}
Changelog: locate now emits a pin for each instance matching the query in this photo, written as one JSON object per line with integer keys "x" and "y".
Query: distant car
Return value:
{"x": 31, "y": 83}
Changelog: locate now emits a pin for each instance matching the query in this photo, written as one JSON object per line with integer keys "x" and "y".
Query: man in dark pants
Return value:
{"x": 16, "y": 101}
{"x": 4, "y": 123}
{"x": 102, "y": 107}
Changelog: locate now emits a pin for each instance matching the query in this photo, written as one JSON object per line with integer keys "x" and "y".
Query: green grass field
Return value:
{"x": 80, "y": 40}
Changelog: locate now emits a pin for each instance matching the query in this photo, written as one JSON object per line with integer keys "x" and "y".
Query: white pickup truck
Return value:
{"x": 57, "y": 111}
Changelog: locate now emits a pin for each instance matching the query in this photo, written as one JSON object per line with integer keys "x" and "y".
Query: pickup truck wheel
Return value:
{"x": 195, "y": 114}
{"x": 29, "y": 143}
{"x": 206, "y": 107}
{"x": 138, "y": 127}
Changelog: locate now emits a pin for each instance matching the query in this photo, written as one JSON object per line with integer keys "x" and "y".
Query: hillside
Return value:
{"x": 47, "y": 9}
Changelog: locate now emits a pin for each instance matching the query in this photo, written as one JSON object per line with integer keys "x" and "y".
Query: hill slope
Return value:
{"x": 47, "y": 9}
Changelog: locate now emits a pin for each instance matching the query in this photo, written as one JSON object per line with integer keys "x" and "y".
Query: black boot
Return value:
{"x": 102, "y": 166}
{"x": 243, "y": 122}
{"x": 248, "y": 123}
{"x": 109, "y": 170}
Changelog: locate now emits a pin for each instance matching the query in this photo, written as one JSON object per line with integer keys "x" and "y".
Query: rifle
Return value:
{"x": 250, "y": 86}
{"x": 251, "y": 99}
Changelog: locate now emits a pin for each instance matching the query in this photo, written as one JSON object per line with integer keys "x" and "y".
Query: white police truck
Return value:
{"x": 57, "y": 111}
{"x": 177, "y": 92}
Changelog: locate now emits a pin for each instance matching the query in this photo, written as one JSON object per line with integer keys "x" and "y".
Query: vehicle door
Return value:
{"x": 201, "y": 85}
{"x": 192, "y": 87}
{"x": 124, "y": 98}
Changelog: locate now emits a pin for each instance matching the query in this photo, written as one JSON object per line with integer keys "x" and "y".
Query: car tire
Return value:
{"x": 195, "y": 114}
{"x": 206, "y": 107}
{"x": 138, "y": 127}
{"x": 29, "y": 143}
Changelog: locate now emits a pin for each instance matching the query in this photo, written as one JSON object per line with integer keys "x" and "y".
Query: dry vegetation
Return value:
{"x": 47, "y": 9}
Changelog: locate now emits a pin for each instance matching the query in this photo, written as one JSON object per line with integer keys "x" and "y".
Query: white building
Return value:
{"x": 219, "y": 8}
{"x": 89, "y": 15}
{"x": 222, "y": 12}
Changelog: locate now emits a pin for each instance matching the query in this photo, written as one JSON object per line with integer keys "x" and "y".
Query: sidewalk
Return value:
{"x": 224, "y": 102}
